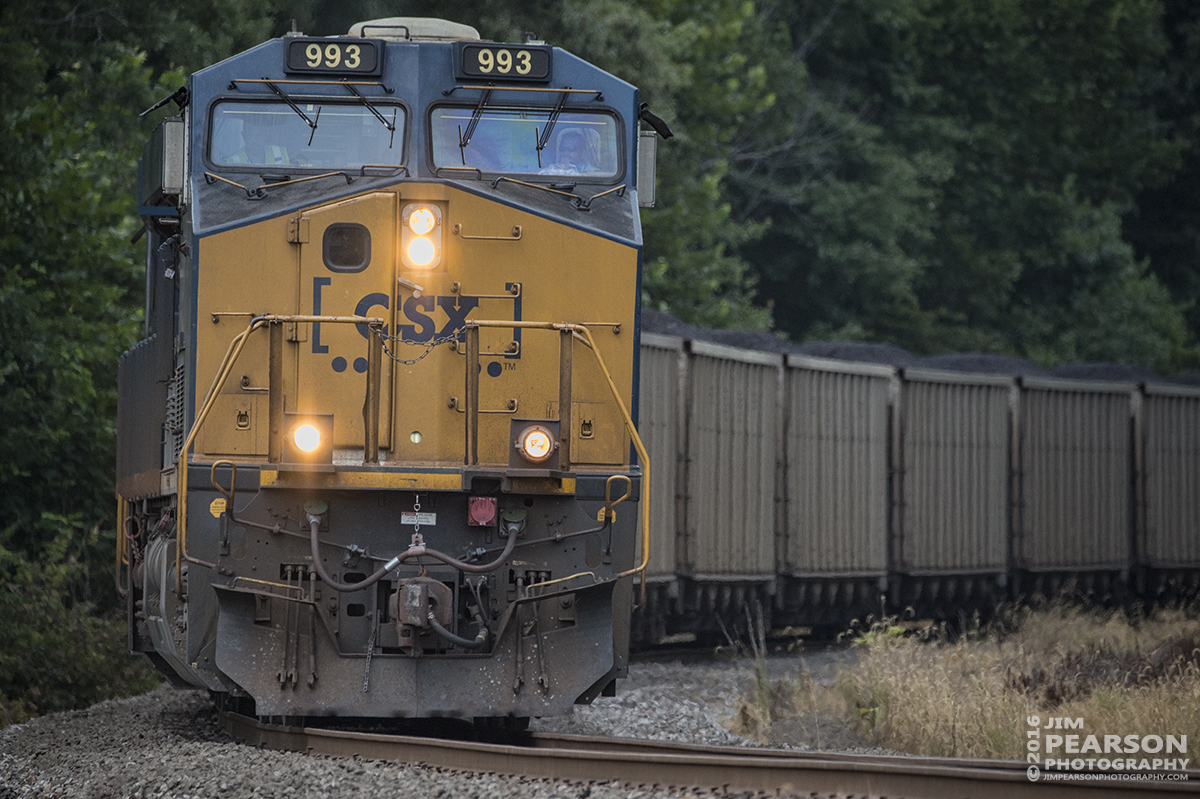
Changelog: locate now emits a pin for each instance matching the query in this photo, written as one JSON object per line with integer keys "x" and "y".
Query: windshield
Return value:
{"x": 505, "y": 141}
{"x": 273, "y": 135}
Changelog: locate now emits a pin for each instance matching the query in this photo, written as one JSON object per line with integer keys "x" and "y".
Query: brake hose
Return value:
{"x": 416, "y": 550}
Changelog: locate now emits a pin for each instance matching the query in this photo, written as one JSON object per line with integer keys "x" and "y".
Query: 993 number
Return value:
{"x": 315, "y": 55}
{"x": 330, "y": 56}
{"x": 502, "y": 61}
{"x": 528, "y": 63}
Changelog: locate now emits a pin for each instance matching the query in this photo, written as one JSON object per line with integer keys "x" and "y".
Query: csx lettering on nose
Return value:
{"x": 419, "y": 310}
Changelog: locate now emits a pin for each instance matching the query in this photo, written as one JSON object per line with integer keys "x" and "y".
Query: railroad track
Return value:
{"x": 650, "y": 764}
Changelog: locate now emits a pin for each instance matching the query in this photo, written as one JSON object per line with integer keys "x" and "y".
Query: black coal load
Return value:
{"x": 664, "y": 324}
{"x": 982, "y": 363}
{"x": 860, "y": 351}
{"x": 654, "y": 321}
{"x": 1107, "y": 372}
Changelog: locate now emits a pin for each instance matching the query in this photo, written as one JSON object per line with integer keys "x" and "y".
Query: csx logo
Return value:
{"x": 419, "y": 310}
{"x": 423, "y": 319}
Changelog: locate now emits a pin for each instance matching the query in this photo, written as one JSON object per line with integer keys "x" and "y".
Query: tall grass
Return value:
{"x": 970, "y": 696}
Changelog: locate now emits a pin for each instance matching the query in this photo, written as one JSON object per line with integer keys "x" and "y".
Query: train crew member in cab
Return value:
{"x": 573, "y": 155}
{"x": 262, "y": 142}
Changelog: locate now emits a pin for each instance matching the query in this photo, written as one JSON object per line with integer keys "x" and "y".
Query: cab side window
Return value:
{"x": 346, "y": 247}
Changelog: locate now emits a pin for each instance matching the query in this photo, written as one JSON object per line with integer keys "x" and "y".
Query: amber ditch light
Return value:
{"x": 534, "y": 444}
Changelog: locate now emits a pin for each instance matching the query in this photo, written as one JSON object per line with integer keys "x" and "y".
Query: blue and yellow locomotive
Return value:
{"x": 377, "y": 450}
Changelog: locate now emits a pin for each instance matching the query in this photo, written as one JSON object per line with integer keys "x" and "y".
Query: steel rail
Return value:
{"x": 668, "y": 765}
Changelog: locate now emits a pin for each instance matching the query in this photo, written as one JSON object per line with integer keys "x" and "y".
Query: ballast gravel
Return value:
{"x": 167, "y": 743}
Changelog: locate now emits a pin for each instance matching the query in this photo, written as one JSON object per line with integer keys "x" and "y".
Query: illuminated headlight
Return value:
{"x": 306, "y": 437}
{"x": 536, "y": 444}
{"x": 421, "y": 220}
{"x": 421, "y": 252}
{"x": 307, "y": 440}
{"x": 421, "y": 236}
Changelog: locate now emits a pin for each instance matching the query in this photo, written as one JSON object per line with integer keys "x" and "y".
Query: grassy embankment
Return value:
{"x": 971, "y": 696}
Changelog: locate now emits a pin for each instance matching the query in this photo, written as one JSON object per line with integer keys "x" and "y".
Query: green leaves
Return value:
{"x": 58, "y": 654}
{"x": 70, "y": 284}
{"x": 692, "y": 235}
{"x": 952, "y": 176}
{"x": 75, "y": 77}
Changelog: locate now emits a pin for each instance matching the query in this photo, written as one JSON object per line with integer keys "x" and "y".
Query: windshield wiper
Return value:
{"x": 391, "y": 126}
{"x": 180, "y": 98}
{"x": 476, "y": 115}
{"x": 553, "y": 118}
{"x": 312, "y": 123}
{"x": 543, "y": 137}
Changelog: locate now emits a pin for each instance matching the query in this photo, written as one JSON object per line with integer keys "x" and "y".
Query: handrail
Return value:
{"x": 236, "y": 345}
{"x": 581, "y": 331}
{"x": 122, "y": 558}
{"x": 233, "y": 83}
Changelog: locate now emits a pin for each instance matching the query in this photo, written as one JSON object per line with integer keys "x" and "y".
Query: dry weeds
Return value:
{"x": 970, "y": 696}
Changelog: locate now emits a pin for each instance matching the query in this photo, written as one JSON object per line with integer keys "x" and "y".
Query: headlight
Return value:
{"x": 421, "y": 236}
{"x": 536, "y": 444}
{"x": 306, "y": 437}
{"x": 421, "y": 220}
{"x": 307, "y": 441}
{"x": 421, "y": 252}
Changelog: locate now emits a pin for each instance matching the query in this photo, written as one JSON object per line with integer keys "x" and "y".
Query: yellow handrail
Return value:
{"x": 121, "y": 555}
{"x": 586, "y": 335}
{"x": 238, "y": 343}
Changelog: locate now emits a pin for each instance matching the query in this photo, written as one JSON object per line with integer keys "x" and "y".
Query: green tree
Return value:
{"x": 1163, "y": 225}
{"x": 58, "y": 652}
{"x": 74, "y": 77}
{"x": 953, "y": 175}
{"x": 692, "y": 238}
{"x": 69, "y": 283}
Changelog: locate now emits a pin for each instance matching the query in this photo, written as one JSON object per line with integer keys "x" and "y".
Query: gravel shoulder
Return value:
{"x": 699, "y": 702}
{"x": 166, "y": 743}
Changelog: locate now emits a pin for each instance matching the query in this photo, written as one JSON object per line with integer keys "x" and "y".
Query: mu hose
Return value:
{"x": 417, "y": 550}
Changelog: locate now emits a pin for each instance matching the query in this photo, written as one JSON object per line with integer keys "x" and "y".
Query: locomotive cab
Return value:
{"x": 378, "y": 448}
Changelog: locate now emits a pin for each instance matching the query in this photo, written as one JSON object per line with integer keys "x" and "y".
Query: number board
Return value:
{"x": 505, "y": 61}
{"x": 340, "y": 56}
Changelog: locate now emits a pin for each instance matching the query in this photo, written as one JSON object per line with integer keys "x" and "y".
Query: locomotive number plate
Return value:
{"x": 356, "y": 56}
{"x": 507, "y": 61}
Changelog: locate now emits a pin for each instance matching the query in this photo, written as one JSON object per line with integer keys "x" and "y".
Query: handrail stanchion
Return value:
{"x": 275, "y": 396}
{"x": 275, "y": 379}
{"x": 371, "y": 402}
{"x": 472, "y": 395}
{"x": 566, "y": 338}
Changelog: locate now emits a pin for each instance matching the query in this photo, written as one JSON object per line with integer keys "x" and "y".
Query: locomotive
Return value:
{"x": 377, "y": 450}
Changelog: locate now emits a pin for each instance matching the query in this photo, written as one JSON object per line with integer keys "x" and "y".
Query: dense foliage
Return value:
{"x": 954, "y": 176}
{"x": 996, "y": 175}
{"x": 75, "y": 77}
